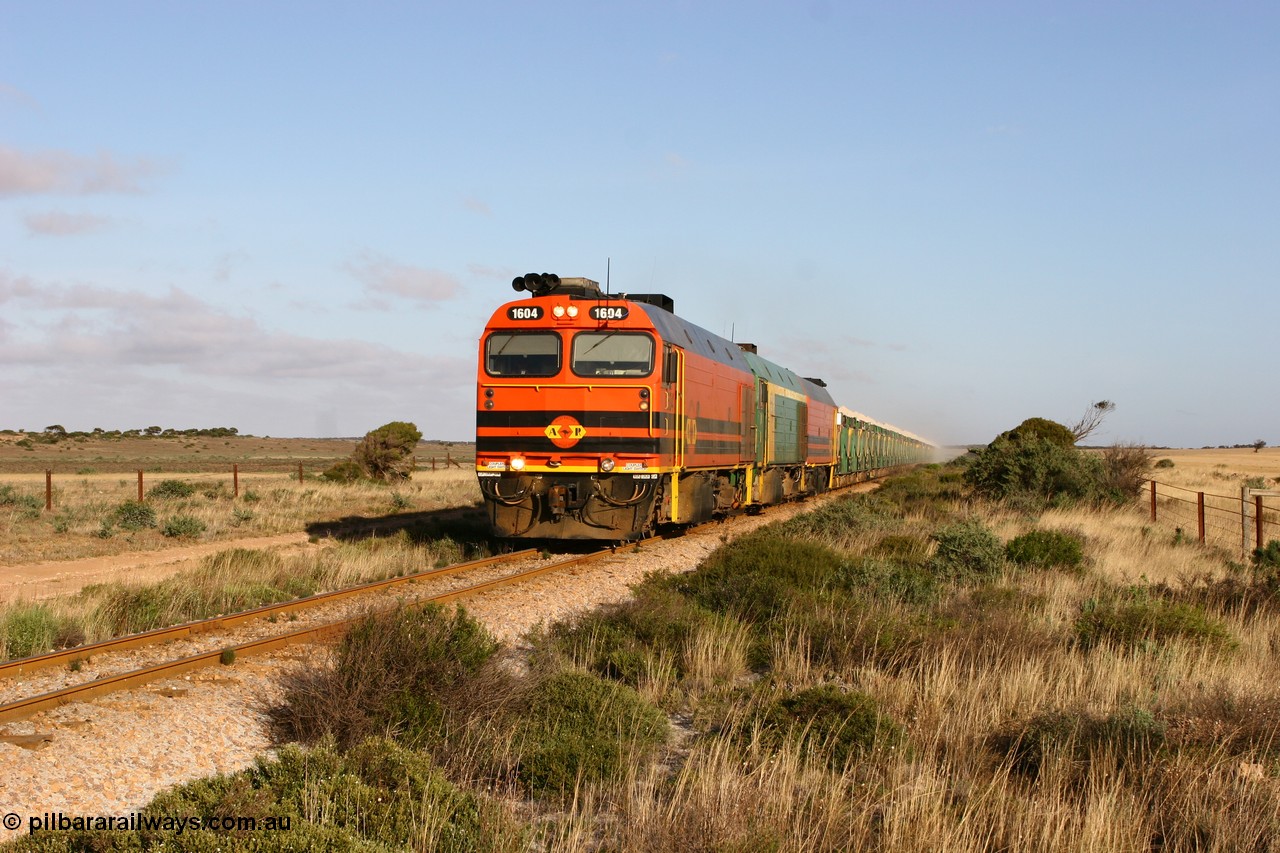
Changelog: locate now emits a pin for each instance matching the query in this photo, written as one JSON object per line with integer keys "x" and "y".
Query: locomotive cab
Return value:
{"x": 568, "y": 432}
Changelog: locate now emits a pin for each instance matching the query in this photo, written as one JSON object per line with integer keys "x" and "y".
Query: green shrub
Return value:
{"x": 1041, "y": 429}
{"x": 378, "y": 796}
{"x": 839, "y": 520}
{"x": 967, "y": 551}
{"x": 396, "y": 672}
{"x": 386, "y": 453}
{"x": 1131, "y": 737}
{"x": 1164, "y": 463}
{"x": 842, "y": 726}
{"x": 1046, "y": 549}
{"x": 1135, "y": 617}
{"x": 1268, "y": 557}
{"x": 182, "y": 527}
{"x": 877, "y": 580}
{"x": 753, "y": 576}
{"x": 578, "y": 728}
{"x": 1036, "y": 473}
{"x": 27, "y": 507}
{"x": 346, "y": 471}
{"x": 133, "y": 515}
{"x": 617, "y": 641}
{"x": 171, "y": 489}
{"x": 28, "y": 630}
{"x": 216, "y": 491}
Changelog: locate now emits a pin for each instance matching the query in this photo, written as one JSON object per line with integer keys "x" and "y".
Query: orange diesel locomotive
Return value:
{"x": 601, "y": 417}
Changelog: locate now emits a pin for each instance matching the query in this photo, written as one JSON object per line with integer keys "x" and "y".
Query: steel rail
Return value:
{"x": 23, "y": 666}
{"x": 24, "y": 708}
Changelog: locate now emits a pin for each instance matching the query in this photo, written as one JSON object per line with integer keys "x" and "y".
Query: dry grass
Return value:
{"x": 82, "y": 524}
{"x": 1169, "y": 742}
{"x": 229, "y": 581}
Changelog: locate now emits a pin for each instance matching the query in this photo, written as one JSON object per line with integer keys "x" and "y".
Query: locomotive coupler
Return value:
{"x": 557, "y": 499}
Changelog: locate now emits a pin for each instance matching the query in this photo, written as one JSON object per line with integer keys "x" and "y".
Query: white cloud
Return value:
{"x": 97, "y": 356}
{"x": 382, "y": 276}
{"x": 58, "y": 224}
{"x": 42, "y": 172}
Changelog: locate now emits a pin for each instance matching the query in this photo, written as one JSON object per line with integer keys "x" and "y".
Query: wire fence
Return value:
{"x": 1240, "y": 522}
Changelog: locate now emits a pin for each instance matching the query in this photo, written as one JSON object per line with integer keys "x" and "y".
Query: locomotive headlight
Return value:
{"x": 517, "y": 463}
{"x": 644, "y": 405}
{"x": 558, "y": 311}
{"x": 607, "y": 464}
{"x": 573, "y": 310}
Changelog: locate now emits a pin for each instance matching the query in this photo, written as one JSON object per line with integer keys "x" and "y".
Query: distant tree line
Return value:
{"x": 1256, "y": 445}
{"x": 55, "y": 433}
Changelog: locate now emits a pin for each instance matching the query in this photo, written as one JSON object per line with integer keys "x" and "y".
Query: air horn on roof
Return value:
{"x": 535, "y": 283}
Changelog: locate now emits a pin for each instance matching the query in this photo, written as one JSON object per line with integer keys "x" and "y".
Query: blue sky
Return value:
{"x": 961, "y": 215}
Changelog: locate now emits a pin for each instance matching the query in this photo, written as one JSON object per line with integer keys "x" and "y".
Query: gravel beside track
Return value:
{"x": 113, "y": 755}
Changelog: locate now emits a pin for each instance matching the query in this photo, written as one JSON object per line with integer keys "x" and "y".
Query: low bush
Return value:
{"x": 1046, "y": 549}
{"x": 967, "y": 552}
{"x": 1164, "y": 463}
{"x": 182, "y": 527}
{"x": 1268, "y": 557}
{"x": 377, "y": 796}
{"x": 171, "y": 489}
{"x": 577, "y": 728}
{"x": 833, "y": 723}
{"x": 1130, "y": 738}
{"x": 395, "y": 673}
{"x": 132, "y": 515}
{"x": 753, "y": 576}
{"x": 346, "y": 471}
{"x": 1126, "y": 467}
{"x": 617, "y": 641}
{"x": 876, "y": 580}
{"x": 1135, "y": 616}
{"x": 26, "y": 504}
{"x": 32, "y": 629}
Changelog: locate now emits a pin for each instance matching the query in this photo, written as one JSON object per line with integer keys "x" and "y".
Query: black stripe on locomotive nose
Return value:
{"x": 586, "y": 445}
{"x": 591, "y": 420}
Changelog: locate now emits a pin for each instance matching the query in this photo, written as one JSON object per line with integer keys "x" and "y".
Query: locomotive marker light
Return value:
{"x": 607, "y": 464}
{"x": 517, "y": 463}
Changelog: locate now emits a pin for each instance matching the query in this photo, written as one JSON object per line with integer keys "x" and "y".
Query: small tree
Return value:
{"x": 1258, "y": 445}
{"x": 386, "y": 453}
{"x": 1092, "y": 419}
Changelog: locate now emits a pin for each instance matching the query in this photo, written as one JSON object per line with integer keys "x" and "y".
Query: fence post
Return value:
{"x": 1153, "y": 500}
{"x": 48, "y": 489}
{"x": 140, "y": 498}
{"x": 1200, "y": 514}
{"x": 1244, "y": 519}
{"x": 433, "y": 463}
{"x": 235, "y": 481}
{"x": 299, "y": 472}
{"x": 1257, "y": 520}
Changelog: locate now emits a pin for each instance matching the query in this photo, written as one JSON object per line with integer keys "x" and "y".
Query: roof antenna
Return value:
{"x": 608, "y": 262}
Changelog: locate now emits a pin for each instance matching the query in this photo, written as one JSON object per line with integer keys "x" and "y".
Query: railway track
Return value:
{"x": 22, "y": 708}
